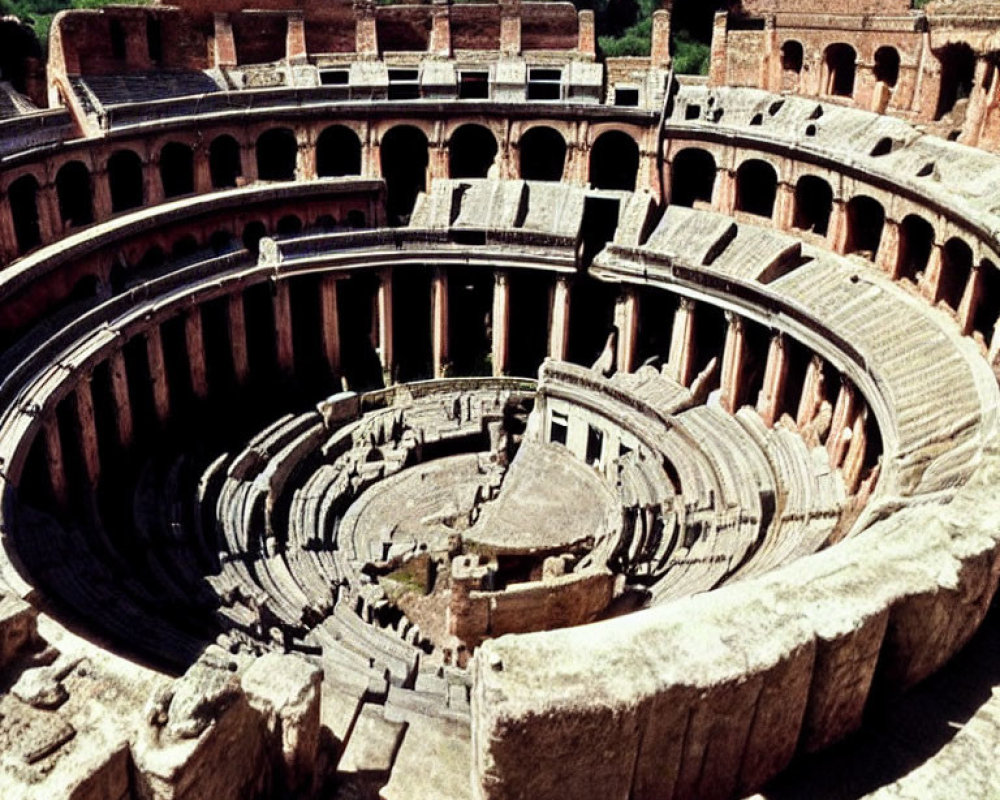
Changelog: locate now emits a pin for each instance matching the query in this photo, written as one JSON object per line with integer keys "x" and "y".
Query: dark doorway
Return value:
{"x": 404, "y": 167}
{"x": 338, "y": 152}
{"x": 471, "y": 152}
{"x": 125, "y": 180}
{"x": 224, "y": 162}
{"x": 543, "y": 155}
{"x": 74, "y": 192}
{"x": 614, "y": 161}
{"x": 692, "y": 177}
{"x": 276, "y": 154}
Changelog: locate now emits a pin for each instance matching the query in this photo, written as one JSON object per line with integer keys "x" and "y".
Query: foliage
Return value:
{"x": 625, "y": 28}
{"x": 691, "y": 57}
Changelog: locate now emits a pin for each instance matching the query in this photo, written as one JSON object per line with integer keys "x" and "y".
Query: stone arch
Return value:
{"x": 956, "y": 267}
{"x": 692, "y": 177}
{"x": 886, "y": 66}
{"x": 73, "y": 189}
{"x": 614, "y": 161}
{"x": 472, "y": 149}
{"x": 22, "y": 195}
{"x": 404, "y": 157}
{"x": 125, "y": 180}
{"x": 792, "y": 59}
{"x": 839, "y": 65}
{"x": 277, "y": 151}
{"x": 916, "y": 240}
{"x": 224, "y": 162}
{"x": 253, "y": 232}
{"x": 177, "y": 169}
{"x": 865, "y": 221}
{"x": 289, "y": 225}
{"x": 542, "y": 154}
{"x": 813, "y": 204}
{"x": 338, "y": 152}
{"x": 756, "y": 187}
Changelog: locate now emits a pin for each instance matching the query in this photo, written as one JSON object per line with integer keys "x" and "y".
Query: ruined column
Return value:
{"x": 248, "y": 163}
{"x": 158, "y": 373}
{"x": 202, "y": 170}
{"x": 87, "y": 431}
{"x": 440, "y": 38}
{"x": 681, "y": 359}
{"x": 225, "y": 44}
{"x": 439, "y": 321}
{"x": 812, "y": 393}
{"x": 236, "y": 318}
{"x": 54, "y": 459}
{"x": 627, "y": 323}
{"x": 559, "y": 319}
{"x": 784, "y": 207}
{"x": 836, "y": 232}
{"x": 120, "y": 397}
{"x": 365, "y": 31}
{"x": 854, "y": 460}
{"x": 102, "y": 194}
{"x": 887, "y": 257}
{"x": 971, "y": 296}
{"x": 284, "y": 345}
{"x": 330, "y": 320}
{"x": 49, "y": 221}
{"x": 194, "y": 341}
{"x": 724, "y": 192}
{"x": 733, "y": 360}
{"x": 769, "y": 402}
{"x": 510, "y": 28}
{"x": 501, "y": 321}
{"x": 153, "y": 181}
{"x": 305, "y": 156}
{"x": 843, "y": 412}
{"x": 717, "y": 70}
{"x": 586, "y": 34}
{"x": 295, "y": 39}
{"x": 659, "y": 51}
{"x": 384, "y": 315}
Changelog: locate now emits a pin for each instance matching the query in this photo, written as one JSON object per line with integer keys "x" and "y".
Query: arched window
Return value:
{"x": 956, "y": 266}
{"x": 958, "y": 68}
{"x": 614, "y": 161}
{"x": 543, "y": 155}
{"x": 471, "y": 152}
{"x": 276, "y": 154}
{"x": 916, "y": 238}
{"x": 756, "y": 188}
{"x": 338, "y": 152}
{"x": 887, "y": 65}
{"x": 177, "y": 169}
{"x": 840, "y": 61}
{"x": 289, "y": 225}
{"x": 253, "y": 232}
{"x": 125, "y": 180}
{"x": 74, "y": 193}
{"x": 403, "y": 155}
{"x": 224, "y": 162}
{"x": 791, "y": 57}
{"x": 23, "y": 198}
{"x": 813, "y": 204}
{"x": 865, "y": 220}
{"x": 692, "y": 177}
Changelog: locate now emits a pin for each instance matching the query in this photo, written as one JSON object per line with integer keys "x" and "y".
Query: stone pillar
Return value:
{"x": 236, "y": 318}
{"x": 295, "y": 39}
{"x": 775, "y": 373}
{"x": 102, "y": 195}
{"x": 978, "y": 104}
{"x": 587, "y": 38}
{"x": 733, "y": 360}
{"x": 930, "y": 285}
{"x": 87, "y": 431}
{"x": 194, "y": 341}
{"x": 970, "y": 299}
{"x": 681, "y": 359}
{"x": 54, "y": 459}
{"x": 330, "y": 317}
{"x": 202, "y": 170}
{"x": 8, "y": 239}
{"x": 152, "y": 181}
{"x": 440, "y": 39}
{"x": 627, "y": 323}
{"x": 384, "y": 315}
{"x": 510, "y": 28}
{"x": 248, "y": 163}
{"x": 724, "y": 192}
{"x": 439, "y": 321}
{"x": 659, "y": 51}
{"x": 812, "y": 393}
{"x": 784, "y": 207}
{"x": 887, "y": 257}
{"x": 120, "y": 396}
{"x": 158, "y": 373}
{"x": 49, "y": 222}
{"x": 365, "y": 31}
{"x": 284, "y": 346}
{"x": 836, "y": 232}
{"x": 843, "y": 413}
{"x": 501, "y": 321}
{"x": 305, "y": 156}
{"x": 854, "y": 460}
{"x": 718, "y": 62}
{"x": 559, "y": 319}
{"x": 437, "y": 162}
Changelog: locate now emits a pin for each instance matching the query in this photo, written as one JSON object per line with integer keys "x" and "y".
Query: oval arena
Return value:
{"x": 408, "y": 401}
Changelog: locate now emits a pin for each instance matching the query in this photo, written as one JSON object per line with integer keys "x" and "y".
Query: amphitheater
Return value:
{"x": 407, "y": 401}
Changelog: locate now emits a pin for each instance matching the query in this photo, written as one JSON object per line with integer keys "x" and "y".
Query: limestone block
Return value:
{"x": 369, "y": 79}
{"x": 285, "y": 690}
{"x": 438, "y": 79}
{"x": 510, "y": 81}
{"x": 586, "y": 81}
{"x": 372, "y": 744}
{"x": 18, "y": 627}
